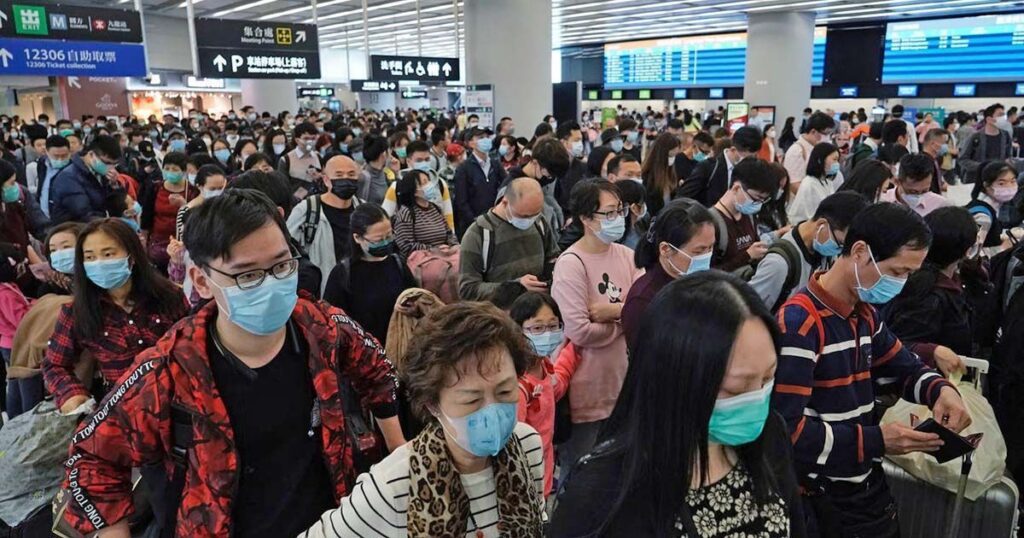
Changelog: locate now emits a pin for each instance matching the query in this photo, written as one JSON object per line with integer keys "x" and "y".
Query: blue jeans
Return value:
{"x": 22, "y": 394}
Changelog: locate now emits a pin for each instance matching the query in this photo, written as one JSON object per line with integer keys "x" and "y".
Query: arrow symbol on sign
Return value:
{"x": 73, "y": 82}
{"x": 447, "y": 68}
{"x": 220, "y": 62}
{"x": 300, "y": 36}
{"x": 3, "y": 17}
{"x": 5, "y": 56}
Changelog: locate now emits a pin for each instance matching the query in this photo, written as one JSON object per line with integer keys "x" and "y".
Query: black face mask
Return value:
{"x": 545, "y": 180}
{"x": 344, "y": 188}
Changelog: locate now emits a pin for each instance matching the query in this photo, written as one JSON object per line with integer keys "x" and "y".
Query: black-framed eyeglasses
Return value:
{"x": 541, "y": 329}
{"x": 253, "y": 278}
{"x": 753, "y": 198}
{"x": 613, "y": 214}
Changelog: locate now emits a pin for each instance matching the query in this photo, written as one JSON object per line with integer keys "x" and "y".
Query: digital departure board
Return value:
{"x": 986, "y": 48}
{"x": 709, "y": 60}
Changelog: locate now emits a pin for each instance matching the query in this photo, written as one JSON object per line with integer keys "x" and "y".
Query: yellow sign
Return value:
{"x": 283, "y": 36}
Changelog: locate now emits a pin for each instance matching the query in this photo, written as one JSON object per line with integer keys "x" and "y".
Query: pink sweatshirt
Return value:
{"x": 600, "y": 278}
{"x": 537, "y": 404}
{"x": 13, "y": 306}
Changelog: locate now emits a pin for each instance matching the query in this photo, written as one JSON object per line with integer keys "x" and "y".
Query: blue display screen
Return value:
{"x": 716, "y": 93}
{"x": 848, "y": 91}
{"x": 986, "y": 48}
{"x": 679, "y": 94}
{"x": 907, "y": 90}
{"x": 964, "y": 90}
{"x": 1020, "y": 89}
{"x": 711, "y": 60}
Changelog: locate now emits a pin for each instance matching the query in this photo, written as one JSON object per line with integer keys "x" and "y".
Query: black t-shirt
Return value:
{"x": 283, "y": 485}
{"x": 370, "y": 292}
{"x": 341, "y": 223}
{"x": 993, "y": 146}
{"x": 684, "y": 167}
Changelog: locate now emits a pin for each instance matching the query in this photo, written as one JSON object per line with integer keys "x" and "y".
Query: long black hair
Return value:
{"x": 363, "y": 216}
{"x": 816, "y": 162}
{"x": 990, "y": 172}
{"x": 670, "y": 390}
{"x": 148, "y": 286}
{"x": 867, "y": 179}
{"x": 676, "y": 224}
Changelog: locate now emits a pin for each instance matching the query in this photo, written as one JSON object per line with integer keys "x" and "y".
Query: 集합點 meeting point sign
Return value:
{"x": 230, "y": 48}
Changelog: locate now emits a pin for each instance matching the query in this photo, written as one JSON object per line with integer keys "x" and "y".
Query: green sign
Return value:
{"x": 593, "y": 95}
{"x": 30, "y": 20}
{"x": 616, "y": 94}
{"x": 645, "y": 94}
{"x": 938, "y": 113}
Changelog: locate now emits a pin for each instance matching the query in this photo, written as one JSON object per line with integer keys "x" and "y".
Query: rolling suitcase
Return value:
{"x": 926, "y": 510}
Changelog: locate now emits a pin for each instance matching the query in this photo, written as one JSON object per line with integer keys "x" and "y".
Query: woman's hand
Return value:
{"x": 176, "y": 250}
{"x": 73, "y": 403}
{"x": 605, "y": 312}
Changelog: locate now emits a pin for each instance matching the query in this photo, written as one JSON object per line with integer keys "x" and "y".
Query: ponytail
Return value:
{"x": 675, "y": 224}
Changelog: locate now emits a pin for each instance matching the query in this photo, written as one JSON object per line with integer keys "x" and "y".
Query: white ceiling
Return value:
{"x": 393, "y": 28}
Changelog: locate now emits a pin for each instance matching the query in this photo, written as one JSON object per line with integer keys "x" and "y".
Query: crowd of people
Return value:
{"x": 408, "y": 323}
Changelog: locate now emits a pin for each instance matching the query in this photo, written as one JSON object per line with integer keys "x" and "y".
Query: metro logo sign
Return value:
{"x": 99, "y": 25}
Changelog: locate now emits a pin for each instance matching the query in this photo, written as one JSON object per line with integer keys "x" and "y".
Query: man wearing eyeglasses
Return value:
{"x": 239, "y": 405}
{"x": 736, "y": 244}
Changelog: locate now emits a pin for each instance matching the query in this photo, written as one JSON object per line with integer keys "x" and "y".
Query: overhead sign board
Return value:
{"x": 414, "y": 94}
{"x": 907, "y": 90}
{"x": 252, "y": 49}
{"x": 204, "y": 83}
{"x": 58, "y": 21}
{"x": 422, "y": 68}
{"x": 315, "y": 92}
{"x": 45, "y": 57}
{"x": 374, "y": 85}
{"x": 849, "y": 91}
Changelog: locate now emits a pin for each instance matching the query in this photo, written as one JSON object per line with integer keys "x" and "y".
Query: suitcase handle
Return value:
{"x": 981, "y": 365}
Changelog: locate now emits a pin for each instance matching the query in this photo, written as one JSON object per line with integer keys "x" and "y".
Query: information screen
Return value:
{"x": 986, "y": 48}
{"x": 710, "y": 60}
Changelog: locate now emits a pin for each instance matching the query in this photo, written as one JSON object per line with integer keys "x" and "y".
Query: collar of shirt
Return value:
{"x": 833, "y": 303}
{"x": 811, "y": 256}
{"x": 871, "y": 144}
{"x": 984, "y": 197}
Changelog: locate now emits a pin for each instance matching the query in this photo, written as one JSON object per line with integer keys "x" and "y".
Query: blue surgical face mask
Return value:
{"x": 264, "y": 309}
{"x": 577, "y": 149}
{"x": 401, "y": 152}
{"x": 432, "y": 193}
{"x": 222, "y": 154}
{"x": 485, "y": 144}
{"x": 739, "y": 420}
{"x": 278, "y": 149}
{"x": 833, "y": 170}
{"x": 173, "y": 177}
{"x": 358, "y": 157}
{"x": 108, "y": 274}
{"x": 611, "y": 231}
{"x": 483, "y": 432}
{"x": 357, "y": 131}
{"x": 177, "y": 144}
{"x": 132, "y": 223}
{"x": 830, "y": 248}
{"x": 343, "y": 147}
{"x": 99, "y": 166}
{"x": 523, "y": 223}
{"x": 616, "y": 145}
{"x": 632, "y": 136}
{"x": 545, "y": 343}
{"x": 697, "y": 263}
{"x": 944, "y": 149}
{"x": 750, "y": 207}
{"x": 212, "y": 193}
{"x": 699, "y": 157}
{"x": 63, "y": 261}
{"x": 422, "y": 166}
{"x": 11, "y": 193}
{"x": 57, "y": 164}
{"x": 885, "y": 290}
{"x": 503, "y": 150}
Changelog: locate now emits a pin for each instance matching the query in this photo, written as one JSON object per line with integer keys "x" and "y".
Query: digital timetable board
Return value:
{"x": 985, "y": 48}
{"x": 709, "y": 60}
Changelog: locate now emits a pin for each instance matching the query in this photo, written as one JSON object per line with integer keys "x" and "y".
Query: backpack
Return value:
{"x": 312, "y": 221}
{"x": 436, "y": 272}
{"x": 792, "y": 256}
{"x": 486, "y": 250}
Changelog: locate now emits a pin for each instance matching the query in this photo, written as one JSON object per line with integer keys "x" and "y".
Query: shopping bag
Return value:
{"x": 989, "y": 458}
{"x": 437, "y": 272}
{"x": 33, "y": 448}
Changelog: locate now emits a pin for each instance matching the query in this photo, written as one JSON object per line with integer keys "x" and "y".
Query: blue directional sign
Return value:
{"x": 46, "y": 57}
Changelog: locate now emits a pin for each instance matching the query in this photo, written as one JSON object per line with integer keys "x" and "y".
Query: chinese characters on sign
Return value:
{"x": 251, "y": 49}
{"x": 57, "y": 21}
{"x": 420, "y": 68}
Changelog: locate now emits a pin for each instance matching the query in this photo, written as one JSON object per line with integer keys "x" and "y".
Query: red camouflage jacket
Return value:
{"x": 132, "y": 426}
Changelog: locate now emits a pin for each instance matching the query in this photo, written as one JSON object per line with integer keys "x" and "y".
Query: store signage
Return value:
{"x": 374, "y": 86}
{"x": 479, "y": 100}
{"x": 96, "y": 96}
{"x": 204, "y": 83}
{"x": 848, "y": 91}
{"x": 316, "y": 92}
{"x": 414, "y": 68}
{"x": 414, "y": 94}
{"x": 70, "y": 58}
{"x": 251, "y": 49}
{"x": 58, "y": 21}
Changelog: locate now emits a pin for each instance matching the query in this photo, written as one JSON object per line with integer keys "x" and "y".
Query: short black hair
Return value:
{"x": 552, "y": 155}
{"x": 676, "y": 123}
{"x": 747, "y": 139}
{"x": 887, "y": 228}
{"x": 916, "y": 167}
{"x": 632, "y": 192}
{"x": 755, "y": 175}
{"x": 175, "y": 158}
{"x": 821, "y": 122}
{"x": 414, "y": 146}
{"x": 585, "y": 198}
{"x": 618, "y": 160}
{"x": 953, "y": 232}
{"x": 892, "y": 153}
{"x": 437, "y": 135}
{"x": 704, "y": 138}
{"x": 897, "y": 111}
{"x": 106, "y": 146}
{"x": 627, "y": 124}
{"x": 255, "y": 158}
{"x": 206, "y": 171}
{"x": 304, "y": 128}
{"x": 272, "y": 184}
{"x": 816, "y": 161}
{"x": 506, "y": 294}
{"x": 840, "y": 209}
{"x": 565, "y": 129}
{"x": 200, "y": 160}
{"x": 373, "y": 147}
{"x": 893, "y": 130}
{"x": 528, "y": 304}
{"x": 875, "y": 130}
{"x": 363, "y": 216}
{"x": 57, "y": 141}
{"x": 990, "y": 110}
{"x": 218, "y": 224}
